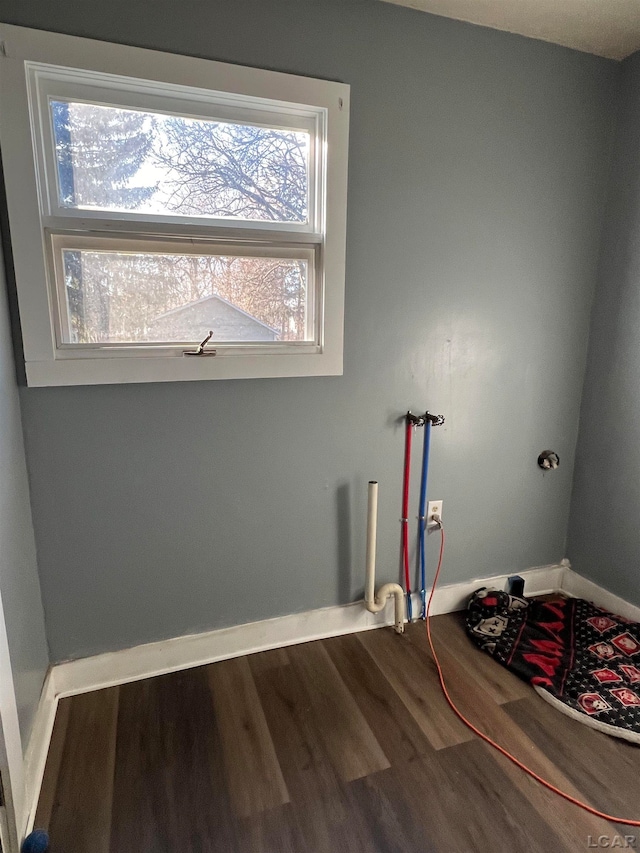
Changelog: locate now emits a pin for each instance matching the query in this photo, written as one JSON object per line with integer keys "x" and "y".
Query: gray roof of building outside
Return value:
{"x": 221, "y": 299}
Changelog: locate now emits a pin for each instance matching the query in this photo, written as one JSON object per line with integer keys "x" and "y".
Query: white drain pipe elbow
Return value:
{"x": 374, "y": 602}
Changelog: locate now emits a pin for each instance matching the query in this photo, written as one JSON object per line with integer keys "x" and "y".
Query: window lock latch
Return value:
{"x": 201, "y": 349}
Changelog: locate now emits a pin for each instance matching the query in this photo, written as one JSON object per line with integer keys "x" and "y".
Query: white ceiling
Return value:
{"x": 604, "y": 27}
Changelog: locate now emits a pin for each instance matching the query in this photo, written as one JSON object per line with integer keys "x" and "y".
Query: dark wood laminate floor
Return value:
{"x": 343, "y": 744}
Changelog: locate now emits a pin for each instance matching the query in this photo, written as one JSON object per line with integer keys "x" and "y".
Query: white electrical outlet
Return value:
{"x": 434, "y": 509}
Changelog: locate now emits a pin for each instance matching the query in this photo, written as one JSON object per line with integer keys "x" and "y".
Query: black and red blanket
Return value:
{"x": 582, "y": 659}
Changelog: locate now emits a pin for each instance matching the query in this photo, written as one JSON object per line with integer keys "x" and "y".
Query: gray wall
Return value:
{"x": 604, "y": 530}
{"x": 18, "y": 571}
{"x": 477, "y": 171}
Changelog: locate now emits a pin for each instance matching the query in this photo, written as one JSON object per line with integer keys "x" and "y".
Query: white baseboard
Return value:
{"x": 36, "y": 755}
{"x": 151, "y": 659}
{"x": 579, "y": 587}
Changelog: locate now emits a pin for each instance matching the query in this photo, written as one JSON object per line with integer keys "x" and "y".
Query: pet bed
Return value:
{"x": 584, "y": 660}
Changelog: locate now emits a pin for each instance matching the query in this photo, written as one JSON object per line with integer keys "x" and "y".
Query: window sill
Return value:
{"x": 103, "y": 371}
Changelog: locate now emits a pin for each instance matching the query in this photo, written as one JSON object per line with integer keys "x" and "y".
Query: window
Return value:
{"x": 155, "y": 199}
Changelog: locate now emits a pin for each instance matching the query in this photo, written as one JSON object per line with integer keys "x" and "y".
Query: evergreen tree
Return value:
{"x": 100, "y": 150}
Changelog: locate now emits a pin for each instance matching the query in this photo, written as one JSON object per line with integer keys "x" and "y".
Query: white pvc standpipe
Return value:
{"x": 372, "y": 530}
{"x": 374, "y": 603}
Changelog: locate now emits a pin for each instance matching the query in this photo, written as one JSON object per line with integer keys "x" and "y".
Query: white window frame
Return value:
{"x": 156, "y": 81}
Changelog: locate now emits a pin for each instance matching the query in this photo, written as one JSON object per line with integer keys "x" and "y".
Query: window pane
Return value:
{"x": 128, "y": 297}
{"x": 141, "y": 162}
